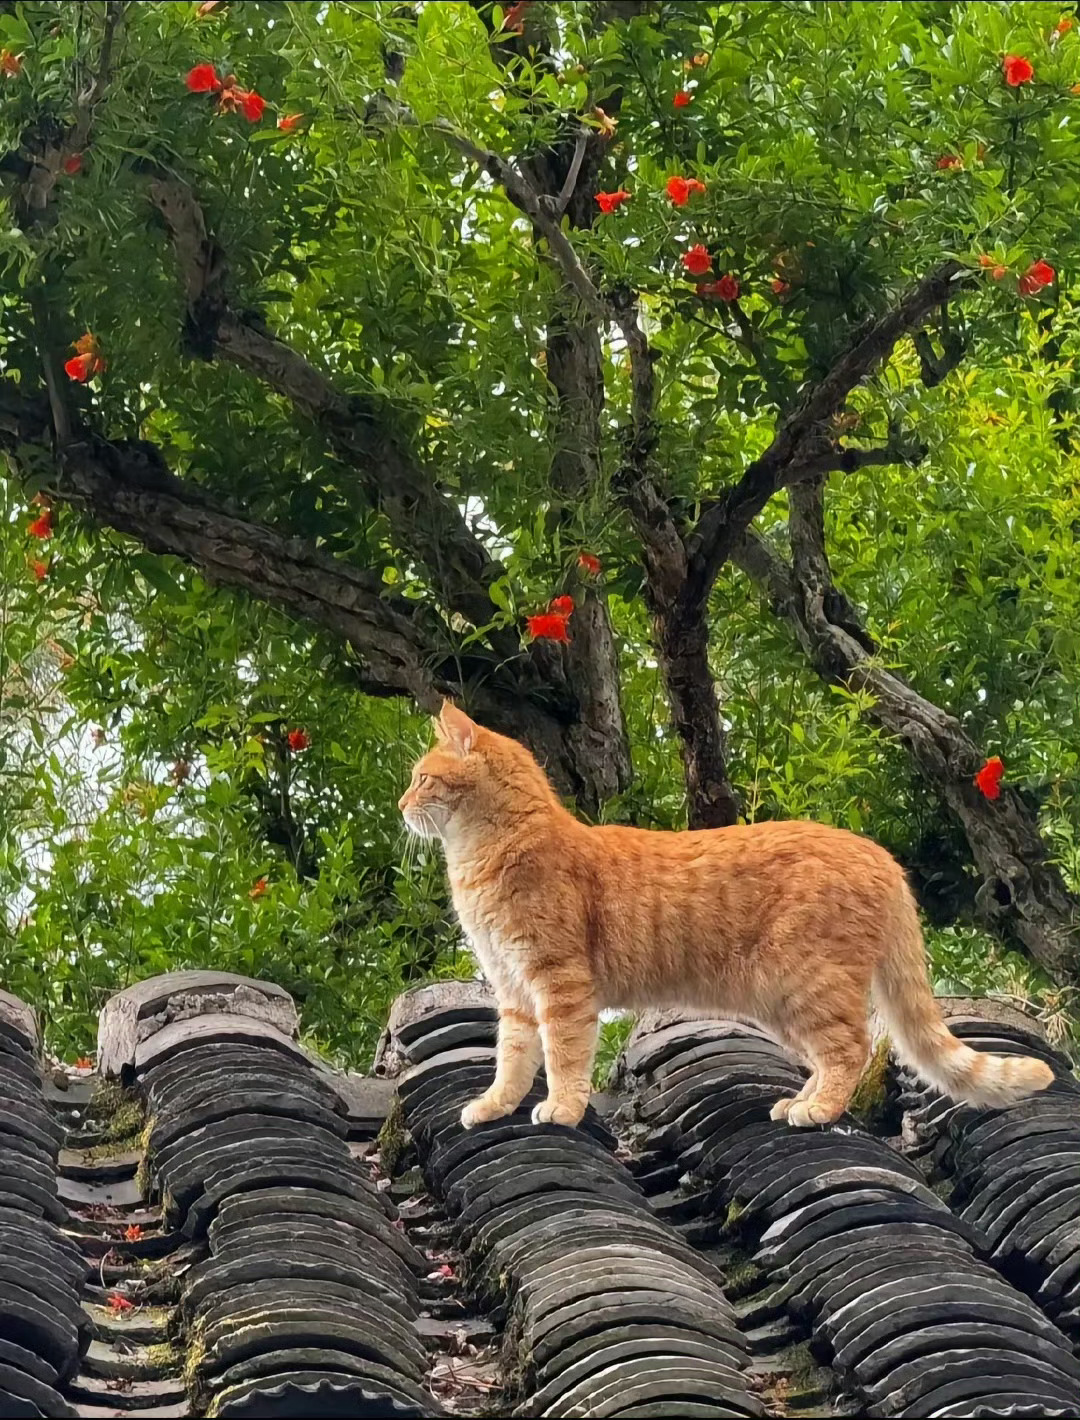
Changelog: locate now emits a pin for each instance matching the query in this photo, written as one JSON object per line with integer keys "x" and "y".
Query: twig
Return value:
{"x": 57, "y": 389}
{"x": 39, "y": 185}
{"x": 541, "y": 212}
{"x": 570, "y": 184}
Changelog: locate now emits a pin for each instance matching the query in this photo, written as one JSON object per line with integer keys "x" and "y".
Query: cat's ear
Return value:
{"x": 455, "y": 729}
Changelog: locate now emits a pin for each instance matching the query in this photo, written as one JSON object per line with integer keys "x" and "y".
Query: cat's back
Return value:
{"x": 774, "y": 851}
{"x": 671, "y": 911}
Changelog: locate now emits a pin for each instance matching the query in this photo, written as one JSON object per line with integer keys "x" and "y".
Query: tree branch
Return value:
{"x": 403, "y": 645}
{"x": 723, "y": 521}
{"x": 1023, "y": 897}
{"x": 541, "y": 211}
{"x": 425, "y": 523}
{"x": 126, "y": 485}
{"x": 847, "y": 460}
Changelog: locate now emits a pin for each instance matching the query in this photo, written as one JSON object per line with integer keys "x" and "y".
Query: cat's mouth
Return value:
{"x": 420, "y": 822}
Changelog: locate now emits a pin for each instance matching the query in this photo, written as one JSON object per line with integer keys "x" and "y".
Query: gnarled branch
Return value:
{"x": 1023, "y": 897}
{"x": 723, "y": 522}
{"x": 426, "y": 524}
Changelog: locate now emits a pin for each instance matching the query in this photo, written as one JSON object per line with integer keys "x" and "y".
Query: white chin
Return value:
{"x": 423, "y": 828}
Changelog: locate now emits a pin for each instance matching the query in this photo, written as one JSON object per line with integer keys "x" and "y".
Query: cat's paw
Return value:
{"x": 481, "y": 1110}
{"x": 782, "y": 1108}
{"x": 551, "y": 1111}
{"x": 804, "y": 1114}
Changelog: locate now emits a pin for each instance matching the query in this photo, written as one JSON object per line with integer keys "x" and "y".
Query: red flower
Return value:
{"x": 562, "y": 606}
{"x": 1018, "y": 70}
{"x": 289, "y": 121}
{"x": 682, "y": 99}
{"x": 40, "y": 570}
{"x": 588, "y": 563}
{"x": 1038, "y": 275}
{"x": 79, "y": 367}
{"x": 259, "y": 888}
{"x": 680, "y": 188}
{"x": 207, "y": 8}
{"x": 547, "y": 626}
{"x": 133, "y": 1233}
{"x": 87, "y": 361}
{"x": 988, "y": 780}
{"x": 84, "y": 1063}
{"x": 780, "y": 287}
{"x": 119, "y": 1304}
{"x": 950, "y": 160}
{"x": 298, "y": 740}
{"x": 1063, "y": 26}
{"x": 608, "y": 201}
{"x": 726, "y": 289}
{"x": 203, "y": 79}
{"x": 252, "y": 105}
{"x": 42, "y": 525}
{"x": 697, "y": 260}
{"x": 10, "y": 64}
{"x": 73, "y": 164}
{"x": 514, "y": 19}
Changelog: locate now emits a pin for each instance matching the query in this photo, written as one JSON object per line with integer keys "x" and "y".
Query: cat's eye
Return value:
{"x": 421, "y": 780}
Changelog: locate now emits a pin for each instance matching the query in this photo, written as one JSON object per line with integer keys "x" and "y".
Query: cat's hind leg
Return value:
{"x": 838, "y": 1055}
{"x": 782, "y": 1108}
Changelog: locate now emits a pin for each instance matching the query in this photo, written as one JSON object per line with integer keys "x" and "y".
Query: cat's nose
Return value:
{"x": 401, "y": 801}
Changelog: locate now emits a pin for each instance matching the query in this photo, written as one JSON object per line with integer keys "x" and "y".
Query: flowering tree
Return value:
{"x": 592, "y": 363}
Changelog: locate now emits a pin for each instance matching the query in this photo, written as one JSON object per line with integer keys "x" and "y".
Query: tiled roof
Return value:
{"x": 222, "y": 1233}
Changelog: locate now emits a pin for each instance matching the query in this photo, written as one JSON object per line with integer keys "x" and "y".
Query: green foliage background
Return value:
{"x": 145, "y": 781}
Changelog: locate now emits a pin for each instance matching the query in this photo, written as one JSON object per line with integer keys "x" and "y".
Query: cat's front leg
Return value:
{"x": 517, "y": 1060}
{"x": 569, "y": 1023}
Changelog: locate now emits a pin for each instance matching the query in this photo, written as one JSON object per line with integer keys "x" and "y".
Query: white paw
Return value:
{"x": 551, "y": 1111}
{"x": 782, "y": 1108}
{"x": 480, "y": 1111}
{"x": 804, "y": 1114}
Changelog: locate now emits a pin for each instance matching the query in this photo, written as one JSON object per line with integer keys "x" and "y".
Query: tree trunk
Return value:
{"x": 682, "y": 640}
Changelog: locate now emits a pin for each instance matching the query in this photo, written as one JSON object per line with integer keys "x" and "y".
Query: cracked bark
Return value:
{"x": 1023, "y": 897}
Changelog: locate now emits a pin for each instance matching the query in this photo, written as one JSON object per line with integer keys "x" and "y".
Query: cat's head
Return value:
{"x": 471, "y": 778}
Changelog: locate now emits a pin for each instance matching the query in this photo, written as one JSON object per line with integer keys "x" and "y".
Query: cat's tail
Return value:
{"x": 924, "y": 1042}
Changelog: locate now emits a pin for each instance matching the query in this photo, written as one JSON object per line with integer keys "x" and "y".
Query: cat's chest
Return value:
{"x": 493, "y": 933}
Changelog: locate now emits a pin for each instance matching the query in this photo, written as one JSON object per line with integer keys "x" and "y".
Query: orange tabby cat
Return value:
{"x": 789, "y": 925}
